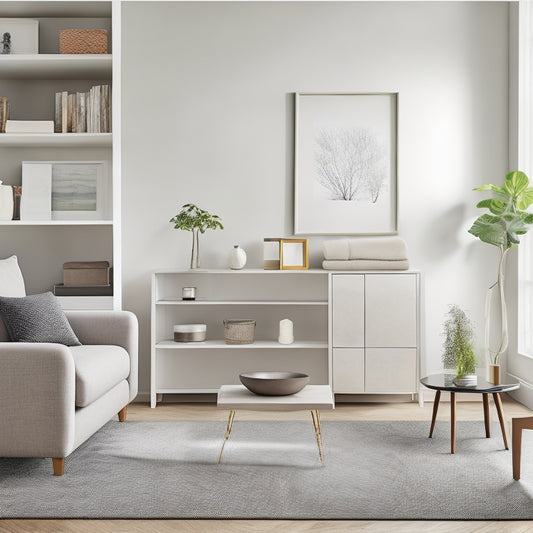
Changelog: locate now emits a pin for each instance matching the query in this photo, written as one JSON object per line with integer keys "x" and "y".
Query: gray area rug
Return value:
{"x": 374, "y": 470}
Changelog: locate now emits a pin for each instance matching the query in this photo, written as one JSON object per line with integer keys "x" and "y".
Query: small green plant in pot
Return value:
{"x": 192, "y": 218}
{"x": 459, "y": 346}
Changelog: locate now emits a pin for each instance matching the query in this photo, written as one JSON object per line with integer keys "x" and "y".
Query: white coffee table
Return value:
{"x": 311, "y": 397}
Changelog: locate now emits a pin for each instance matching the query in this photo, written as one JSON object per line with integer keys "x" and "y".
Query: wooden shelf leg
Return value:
{"x": 434, "y": 416}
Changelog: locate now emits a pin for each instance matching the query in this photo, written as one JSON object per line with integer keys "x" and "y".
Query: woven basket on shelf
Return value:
{"x": 83, "y": 42}
{"x": 239, "y": 331}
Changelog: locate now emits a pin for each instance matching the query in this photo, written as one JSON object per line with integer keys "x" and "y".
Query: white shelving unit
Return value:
{"x": 356, "y": 331}
{"x": 265, "y": 296}
{"x": 30, "y": 82}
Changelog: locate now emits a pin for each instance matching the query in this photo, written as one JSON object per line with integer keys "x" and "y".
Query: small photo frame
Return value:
{"x": 19, "y": 36}
{"x": 294, "y": 254}
{"x": 271, "y": 253}
{"x": 76, "y": 190}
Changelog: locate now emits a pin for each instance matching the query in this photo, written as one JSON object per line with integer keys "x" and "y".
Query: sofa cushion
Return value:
{"x": 98, "y": 369}
{"x": 11, "y": 280}
{"x": 36, "y": 318}
{"x": 11, "y": 284}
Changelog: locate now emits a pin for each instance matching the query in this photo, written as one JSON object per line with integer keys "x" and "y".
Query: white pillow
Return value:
{"x": 11, "y": 280}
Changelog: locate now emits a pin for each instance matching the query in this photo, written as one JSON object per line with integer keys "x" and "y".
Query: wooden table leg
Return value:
{"x": 486, "y": 414}
{"x": 498, "y": 402}
{"x": 518, "y": 425}
{"x": 452, "y": 419}
{"x": 228, "y": 431}
{"x": 434, "y": 417}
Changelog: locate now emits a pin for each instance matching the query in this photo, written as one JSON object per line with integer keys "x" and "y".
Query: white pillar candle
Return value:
{"x": 285, "y": 332}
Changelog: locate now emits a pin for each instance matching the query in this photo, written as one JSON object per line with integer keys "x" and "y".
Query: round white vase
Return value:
{"x": 237, "y": 258}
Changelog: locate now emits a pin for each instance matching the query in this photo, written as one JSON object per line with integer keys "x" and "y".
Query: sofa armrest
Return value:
{"x": 37, "y": 391}
{"x": 119, "y": 328}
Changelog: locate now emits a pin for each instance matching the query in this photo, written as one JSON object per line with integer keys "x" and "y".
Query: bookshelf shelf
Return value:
{"x": 56, "y": 222}
{"x": 56, "y": 66}
{"x": 56, "y": 139}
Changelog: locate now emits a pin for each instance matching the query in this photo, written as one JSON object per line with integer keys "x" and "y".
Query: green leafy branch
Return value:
{"x": 192, "y": 217}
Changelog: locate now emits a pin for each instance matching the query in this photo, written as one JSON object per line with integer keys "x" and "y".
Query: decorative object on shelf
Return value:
{"x": 239, "y": 331}
{"x": 66, "y": 190}
{"x": 190, "y": 332}
{"x": 274, "y": 383}
{"x": 345, "y": 163}
{"x": 271, "y": 253}
{"x": 294, "y": 254}
{"x": 494, "y": 374}
{"x": 188, "y": 293}
{"x": 286, "y": 333}
{"x": 29, "y": 126}
{"x": 508, "y": 219}
{"x": 85, "y": 273}
{"x": 6, "y": 43}
{"x": 17, "y": 195}
{"x": 22, "y": 35}
{"x": 82, "y": 112}
{"x": 4, "y": 113}
{"x": 77, "y": 41}
{"x": 196, "y": 220}
{"x": 237, "y": 258}
{"x": 458, "y": 346}
{"x": 365, "y": 253}
{"x": 6, "y": 202}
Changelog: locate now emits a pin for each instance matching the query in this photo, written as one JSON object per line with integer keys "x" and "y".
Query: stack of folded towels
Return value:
{"x": 365, "y": 253}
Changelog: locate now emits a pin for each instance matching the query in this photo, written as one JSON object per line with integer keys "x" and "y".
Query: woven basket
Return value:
{"x": 239, "y": 331}
{"x": 83, "y": 42}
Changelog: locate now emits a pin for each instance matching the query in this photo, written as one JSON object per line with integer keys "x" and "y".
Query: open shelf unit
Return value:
{"x": 30, "y": 82}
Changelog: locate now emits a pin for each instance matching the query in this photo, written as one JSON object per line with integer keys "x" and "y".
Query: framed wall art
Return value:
{"x": 75, "y": 190}
{"x": 346, "y": 164}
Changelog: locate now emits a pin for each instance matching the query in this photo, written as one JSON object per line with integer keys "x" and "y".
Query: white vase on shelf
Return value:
{"x": 237, "y": 258}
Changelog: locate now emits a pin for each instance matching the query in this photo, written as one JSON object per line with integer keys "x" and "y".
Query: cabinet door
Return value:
{"x": 348, "y": 370}
{"x": 391, "y": 370}
{"x": 348, "y": 310}
{"x": 391, "y": 310}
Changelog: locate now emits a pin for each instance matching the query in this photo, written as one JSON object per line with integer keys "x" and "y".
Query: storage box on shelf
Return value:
{"x": 358, "y": 332}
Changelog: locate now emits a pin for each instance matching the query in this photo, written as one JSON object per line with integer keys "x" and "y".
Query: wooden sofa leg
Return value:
{"x": 122, "y": 414}
{"x": 59, "y": 465}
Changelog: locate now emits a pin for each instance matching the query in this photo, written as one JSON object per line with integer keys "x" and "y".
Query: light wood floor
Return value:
{"x": 360, "y": 411}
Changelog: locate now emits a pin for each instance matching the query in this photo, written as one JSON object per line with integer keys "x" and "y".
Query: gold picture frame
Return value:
{"x": 294, "y": 254}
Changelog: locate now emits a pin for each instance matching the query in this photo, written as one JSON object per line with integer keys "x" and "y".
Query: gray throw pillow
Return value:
{"x": 37, "y": 318}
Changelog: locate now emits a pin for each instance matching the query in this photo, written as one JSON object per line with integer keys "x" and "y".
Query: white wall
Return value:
{"x": 208, "y": 118}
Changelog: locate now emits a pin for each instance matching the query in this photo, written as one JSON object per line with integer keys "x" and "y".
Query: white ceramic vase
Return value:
{"x": 237, "y": 258}
{"x": 6, "y": 202}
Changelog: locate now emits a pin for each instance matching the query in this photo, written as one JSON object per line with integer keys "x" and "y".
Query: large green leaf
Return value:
{"x": 526, "y": 199}
{"x": 492, "y": 230}
{"x": 496, "y": 207}
{"x": 516, "y": 182}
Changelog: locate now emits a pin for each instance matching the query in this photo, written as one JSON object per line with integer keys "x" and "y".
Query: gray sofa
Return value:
{"x": 54, "y": 397}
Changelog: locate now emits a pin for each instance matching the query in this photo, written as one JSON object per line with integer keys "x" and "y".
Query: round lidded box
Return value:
{"x": 190, "y": 332}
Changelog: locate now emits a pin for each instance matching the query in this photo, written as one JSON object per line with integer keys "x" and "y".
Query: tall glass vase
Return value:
{"x": 195, "y": 253}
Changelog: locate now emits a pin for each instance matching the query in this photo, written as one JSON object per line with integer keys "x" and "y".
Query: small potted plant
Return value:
{"x": 192, "y": 218}
{"x": 458, "y": 347}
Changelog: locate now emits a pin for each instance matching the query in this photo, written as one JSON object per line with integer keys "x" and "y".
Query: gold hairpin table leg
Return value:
{"x": 228, "y": 431}
{"x": 318, "y": 432}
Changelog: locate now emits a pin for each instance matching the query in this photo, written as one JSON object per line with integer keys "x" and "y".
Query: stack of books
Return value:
{"x": 83, "y": 112}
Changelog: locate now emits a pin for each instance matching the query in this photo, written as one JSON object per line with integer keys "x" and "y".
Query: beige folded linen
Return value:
{"x": 382, "y": 248}
{"x": 365, "y": 264}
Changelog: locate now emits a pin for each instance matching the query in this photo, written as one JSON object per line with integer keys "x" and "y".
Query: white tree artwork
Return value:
{"x": 350, "y": 164}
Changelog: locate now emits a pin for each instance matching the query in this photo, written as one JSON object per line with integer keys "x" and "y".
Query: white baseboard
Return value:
{"x": 524, "y": 394}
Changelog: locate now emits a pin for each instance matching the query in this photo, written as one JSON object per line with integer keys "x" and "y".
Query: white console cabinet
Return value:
{"x": 375, "y": 333}
{"x": 358, "y": 332}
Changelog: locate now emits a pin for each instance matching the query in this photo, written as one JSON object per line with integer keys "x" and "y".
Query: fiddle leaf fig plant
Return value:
{"x": 192, "y": 218}
{"x": 507, "y": 221}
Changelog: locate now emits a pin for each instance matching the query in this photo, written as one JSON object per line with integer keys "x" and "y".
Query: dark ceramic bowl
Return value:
{"x": 274, "y": 383}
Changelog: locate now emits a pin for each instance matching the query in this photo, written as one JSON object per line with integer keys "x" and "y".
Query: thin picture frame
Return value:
{"x": 77, "y": 191}
{"x": 346, "y": 163}
{"x": 294, "y": 254}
